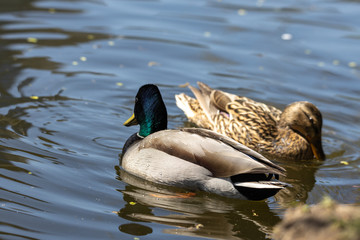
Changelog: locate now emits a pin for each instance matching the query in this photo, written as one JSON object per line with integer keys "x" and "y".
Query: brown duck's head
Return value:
{"x": 305, "y": 119}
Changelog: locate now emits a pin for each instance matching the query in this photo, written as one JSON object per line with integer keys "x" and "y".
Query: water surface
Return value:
{"x": 69, "y": 71}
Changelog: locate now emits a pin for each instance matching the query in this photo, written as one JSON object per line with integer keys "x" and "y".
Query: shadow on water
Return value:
{"x": 300, "y": 184}
{"x": 195, "y": 214}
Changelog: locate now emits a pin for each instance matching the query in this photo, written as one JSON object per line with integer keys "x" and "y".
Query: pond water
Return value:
{"x": 69, "y": 71}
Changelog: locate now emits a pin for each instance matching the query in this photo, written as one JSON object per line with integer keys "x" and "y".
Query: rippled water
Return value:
{"x": 69, "y": 71}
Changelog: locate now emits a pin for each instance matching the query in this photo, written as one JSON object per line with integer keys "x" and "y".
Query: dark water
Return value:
{"x": 69, "y": 71}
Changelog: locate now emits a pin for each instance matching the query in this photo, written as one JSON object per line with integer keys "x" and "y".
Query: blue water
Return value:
{"x": 69, "y": 71}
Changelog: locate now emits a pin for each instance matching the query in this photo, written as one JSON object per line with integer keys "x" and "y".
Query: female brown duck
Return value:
{"x": 294, "y": 133}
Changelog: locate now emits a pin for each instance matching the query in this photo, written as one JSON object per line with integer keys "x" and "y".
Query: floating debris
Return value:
{"x": 254, "y": 213}
{"x": 286, "y": 36}
{"x": 32, "y": 40}
{"x": 321, "y": 64}
{"x": 119, "y": 84}
{"x": 207, "y": 34}
{"x": 111, "y": 43}
{"x": 336, "y": 62}
{"x": 132, "y": 203}
{"x": 241, "y": 12}
{"x": 344, "y": 162}
{"x": 34, "y": 97}
{"x": 198, "y": 226}
{"x": 90, "y": 37}
{"x": 352, "y": 64}
{"x": 184, "y": 85}
{"x": 75, "y": 63}
{"x": 152, "y": 63}
{"x": 52, "y": 10}
{"x": 83, "y": 59}
{"x": 307, "y": 51}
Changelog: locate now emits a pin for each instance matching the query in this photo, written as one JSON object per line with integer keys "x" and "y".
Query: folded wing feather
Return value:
{"x": 221, "y": 155}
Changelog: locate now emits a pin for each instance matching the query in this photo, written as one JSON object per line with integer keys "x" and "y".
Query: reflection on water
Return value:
{"x": 300, "y": 184}
{"x": 193, "y": 214}
{"x": 69, "y": 71}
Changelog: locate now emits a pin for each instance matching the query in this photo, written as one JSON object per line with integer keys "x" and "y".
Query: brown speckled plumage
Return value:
{"x": 263, "y": 128}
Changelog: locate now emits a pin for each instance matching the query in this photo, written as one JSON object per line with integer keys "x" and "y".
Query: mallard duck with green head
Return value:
{"x": 294, "y": 133}
{"x": 193, "y": 158}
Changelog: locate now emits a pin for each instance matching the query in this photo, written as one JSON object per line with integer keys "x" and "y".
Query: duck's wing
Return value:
{"x": 204, "y": 99}
{"x": 235, "y": 105}
{"x": 253, "y": 122}
{"x": 209, "y": 134}
{"x": 247, "y": 109}
{"x": 206, "y": 106}
{"x": 211, "y": 102}
{"x": 221, "y": 155}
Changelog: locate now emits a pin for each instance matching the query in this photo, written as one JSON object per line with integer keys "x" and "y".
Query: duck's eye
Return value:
{"x": 311, "y": 120}
{"x": 136, "y": 99}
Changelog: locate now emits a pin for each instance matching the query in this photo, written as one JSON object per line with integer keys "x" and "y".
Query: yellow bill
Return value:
{"x": 317, "y": 149}
{"x": 131, "y": 121}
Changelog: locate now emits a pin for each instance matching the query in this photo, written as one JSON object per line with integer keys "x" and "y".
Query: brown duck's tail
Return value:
{"x": 210, "y": 101}
{"x": 218, "y": 99}
{"x": 203, "y": 95}
{"x": 183, "y": 102}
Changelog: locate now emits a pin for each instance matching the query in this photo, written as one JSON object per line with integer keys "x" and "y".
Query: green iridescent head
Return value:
{"x": 149, "y": 111}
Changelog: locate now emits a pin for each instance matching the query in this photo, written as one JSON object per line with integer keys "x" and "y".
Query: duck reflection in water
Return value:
{"x": 197, "y": 214}
{"x": 301, "y": 179}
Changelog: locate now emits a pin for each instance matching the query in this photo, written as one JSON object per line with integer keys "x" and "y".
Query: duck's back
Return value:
{"x": 249, "y": 122}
